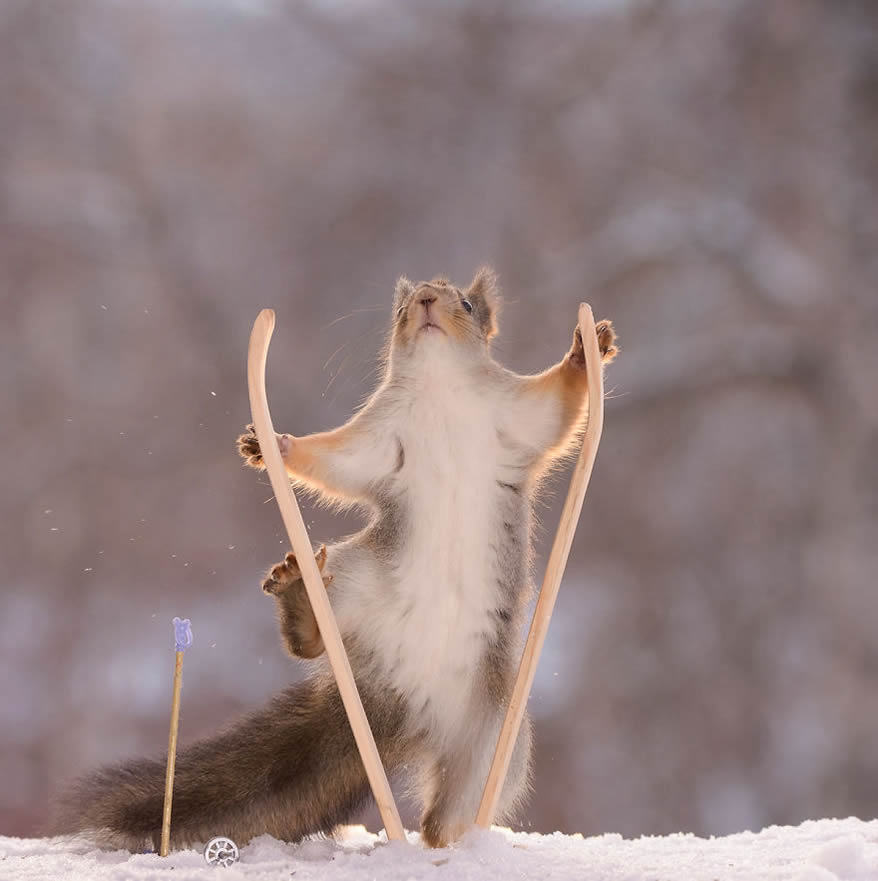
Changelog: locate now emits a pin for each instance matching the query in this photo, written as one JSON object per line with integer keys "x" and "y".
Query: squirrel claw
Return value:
{"x": 606, "y": 344}
{"x": 249, "y": 450}
{"x": 282, "y": 575}
{"x": 606, "y": 340}
{"x": 577, "y": 352}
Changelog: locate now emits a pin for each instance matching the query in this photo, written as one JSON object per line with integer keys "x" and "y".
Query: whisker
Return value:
{"x": 343, "y": 387}
{"x": 351, "y": 315}
{"x": 499, "y": 347}
{"x": 337, "y": 372}
{"x": 609, "y": 395}
{"x": 329, "y": 359}
{"x": 357, "y": 375}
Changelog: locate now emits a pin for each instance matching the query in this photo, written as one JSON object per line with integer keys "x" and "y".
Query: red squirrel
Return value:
{"x": 430, "y": 597}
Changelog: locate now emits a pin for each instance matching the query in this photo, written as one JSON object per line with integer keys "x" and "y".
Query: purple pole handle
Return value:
{"x": 182, "y": 633}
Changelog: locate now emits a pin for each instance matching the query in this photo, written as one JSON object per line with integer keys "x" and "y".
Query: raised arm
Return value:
{"x": 544, "y": 411}
{"x": 343, "y": 465}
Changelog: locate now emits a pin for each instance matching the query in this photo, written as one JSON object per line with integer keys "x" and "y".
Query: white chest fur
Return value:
{"x": 438, "y": 614}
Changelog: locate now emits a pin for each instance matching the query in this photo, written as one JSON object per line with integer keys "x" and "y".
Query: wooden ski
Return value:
{"x": 301, "y": 544}
{"x": 554, "y": 571}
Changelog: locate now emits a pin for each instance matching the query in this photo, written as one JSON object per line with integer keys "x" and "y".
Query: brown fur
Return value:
{"x": 569, "y": 381}
{"x": 289, "y": 770}
{"x": 301, "y": 455}
{"x": 298, "y": 626}
{"x": 451, "y": 315}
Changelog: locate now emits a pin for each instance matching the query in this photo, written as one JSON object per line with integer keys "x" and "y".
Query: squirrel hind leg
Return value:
{"x": 298, "y": 626}
{"x": 457, "y": 780}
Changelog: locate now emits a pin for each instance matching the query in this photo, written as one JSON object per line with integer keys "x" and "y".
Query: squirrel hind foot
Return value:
{"x": 283, "y": 575}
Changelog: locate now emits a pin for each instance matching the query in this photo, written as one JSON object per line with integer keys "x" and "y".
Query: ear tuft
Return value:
{"x": 484, "y": 294}
{"x": 403, "y": 288}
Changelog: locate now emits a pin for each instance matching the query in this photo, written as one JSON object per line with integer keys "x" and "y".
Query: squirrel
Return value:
{"x": 430, "y": 597}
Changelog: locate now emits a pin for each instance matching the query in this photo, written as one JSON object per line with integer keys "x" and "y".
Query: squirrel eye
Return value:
{"x": 399, "y": 311}
{"x": 467, "y": 305}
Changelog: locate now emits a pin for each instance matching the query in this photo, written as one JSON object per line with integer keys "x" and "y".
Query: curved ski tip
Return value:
{"x": 586, "y": 316}
{"x": 266, "y": 316}
{"x": 263, "y": 328}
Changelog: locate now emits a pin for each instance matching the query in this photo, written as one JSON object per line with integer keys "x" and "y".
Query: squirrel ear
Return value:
{"x": 484, "y": 294}
{"x": 403, "y": 288}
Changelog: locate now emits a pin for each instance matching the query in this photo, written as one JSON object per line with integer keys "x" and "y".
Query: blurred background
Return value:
{"x": 705, "y": 174}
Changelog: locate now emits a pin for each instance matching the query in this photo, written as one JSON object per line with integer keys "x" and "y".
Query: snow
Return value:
{"x": 821, "y": 850}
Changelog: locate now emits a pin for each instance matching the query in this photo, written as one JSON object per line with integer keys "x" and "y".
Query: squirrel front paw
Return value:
{"x": 606, "y": 344}
{"x": 283, "y": 575}
{"x": 251, "y": 452}
{"x": 606, "y": 340}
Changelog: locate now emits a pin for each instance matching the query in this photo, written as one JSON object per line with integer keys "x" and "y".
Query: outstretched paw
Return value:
{"x": 249, "y": 450}
{"x": 606, "y": 344}
{"x": 283, "y": 575}
{"x": 606, "y": 340}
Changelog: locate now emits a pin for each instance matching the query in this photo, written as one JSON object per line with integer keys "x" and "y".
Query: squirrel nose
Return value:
{"x": 427, "y": 299}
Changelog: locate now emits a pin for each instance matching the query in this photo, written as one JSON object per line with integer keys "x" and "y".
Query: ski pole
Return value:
{"x": 182, "y": 639}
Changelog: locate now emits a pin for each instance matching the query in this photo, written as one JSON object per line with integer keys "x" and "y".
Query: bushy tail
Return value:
{"x": 290, "y": 769}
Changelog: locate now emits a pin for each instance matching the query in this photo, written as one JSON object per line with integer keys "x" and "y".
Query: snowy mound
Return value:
{"x": 823, "y": 850}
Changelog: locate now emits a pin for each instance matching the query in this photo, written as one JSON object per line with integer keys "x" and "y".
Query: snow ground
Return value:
{"x": 821, "y": 850}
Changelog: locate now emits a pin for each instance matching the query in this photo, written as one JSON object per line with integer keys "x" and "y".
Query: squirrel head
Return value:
{"x": 438, "y": 309}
